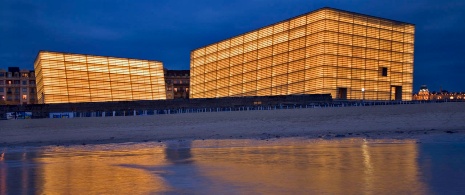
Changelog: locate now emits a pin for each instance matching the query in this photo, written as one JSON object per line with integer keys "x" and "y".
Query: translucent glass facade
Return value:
{"x": 70, "y": 78}
{"x": 349, "y": 55}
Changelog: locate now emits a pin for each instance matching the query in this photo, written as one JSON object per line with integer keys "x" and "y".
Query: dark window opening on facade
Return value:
{"x": 384, "y": 72}
{"x": 341, "y": 93}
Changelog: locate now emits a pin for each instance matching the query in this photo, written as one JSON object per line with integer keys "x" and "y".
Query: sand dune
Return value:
{"x": 392, "y": 121}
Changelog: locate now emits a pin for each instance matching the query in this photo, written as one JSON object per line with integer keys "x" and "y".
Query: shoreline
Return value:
{"x": 423, "y": 122}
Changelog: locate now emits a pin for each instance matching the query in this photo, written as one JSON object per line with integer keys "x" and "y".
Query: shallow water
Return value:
{"x": 285, "y": 166}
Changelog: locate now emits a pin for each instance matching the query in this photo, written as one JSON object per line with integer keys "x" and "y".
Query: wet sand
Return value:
{"x": 439, "y": 121}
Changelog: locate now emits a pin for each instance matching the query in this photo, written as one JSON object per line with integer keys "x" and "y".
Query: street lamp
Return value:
{"x": 363, "y": 94}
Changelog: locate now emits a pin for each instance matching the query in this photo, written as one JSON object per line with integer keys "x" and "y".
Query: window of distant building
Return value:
{"x": 175, "y": 89}
{"x": 24, "y": 97}
{"x": 16, "y": 82}
{"x": 9, "y": 82}
{"x": 32, "y": 82}
{"x": 1, "y": 89}
{"x": 24, "y": 74}
{"x": 169, "y": 89}
{"x": 24, "y": 89}
{"x": 384, "y": 71}
{"x": 2, "y": 82}
{"x": 24, "y": 82}
{"x": 2, "y": 74}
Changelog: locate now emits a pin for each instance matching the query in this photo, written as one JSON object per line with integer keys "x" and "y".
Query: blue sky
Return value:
{"x": 167, "y": 30}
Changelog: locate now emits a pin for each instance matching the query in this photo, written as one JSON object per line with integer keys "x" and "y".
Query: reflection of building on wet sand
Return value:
{"x": 178, "y": 152}
{"x": 335, "y": 168}
{"x": 3, "y": 176}
{"x": 77, "y": 171}
{"x": 94, "y": 170}
{"x": 16, "y": 174}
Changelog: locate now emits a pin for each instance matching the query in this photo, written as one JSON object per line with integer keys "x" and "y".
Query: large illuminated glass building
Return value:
{"x": 70, "y": 78}
{"x": 345, "y": 54}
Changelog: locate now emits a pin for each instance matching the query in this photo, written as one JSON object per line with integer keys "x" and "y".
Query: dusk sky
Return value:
{"x": 167, "y": 30}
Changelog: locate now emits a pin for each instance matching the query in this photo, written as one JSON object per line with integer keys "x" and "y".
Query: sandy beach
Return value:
{"x": 417, "y": 121}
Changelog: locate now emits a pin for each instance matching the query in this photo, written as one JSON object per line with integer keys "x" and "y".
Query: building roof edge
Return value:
{"x": 323, "y": 8}
{"x": 40, "y": 51}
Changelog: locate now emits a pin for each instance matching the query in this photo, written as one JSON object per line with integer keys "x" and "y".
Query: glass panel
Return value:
{"x": 314, "y": 53}
{"x": 85, "y": 78}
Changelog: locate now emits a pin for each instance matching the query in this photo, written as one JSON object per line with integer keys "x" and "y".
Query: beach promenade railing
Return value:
{"x": 146, "y": 108}
{"x": 142, "y": 112}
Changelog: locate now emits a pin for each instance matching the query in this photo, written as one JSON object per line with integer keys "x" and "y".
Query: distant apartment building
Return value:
{"x": 17, "y": 86}
{"x": 73, "y": 78}
{"x": 443, "y": 95}
{"x": 326, "y": 51}
{"x": 177, "y": 84}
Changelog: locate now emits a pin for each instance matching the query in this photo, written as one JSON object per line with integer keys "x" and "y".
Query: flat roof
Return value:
{"x": 92, "y": 55}
{"x": 289, "y": 19}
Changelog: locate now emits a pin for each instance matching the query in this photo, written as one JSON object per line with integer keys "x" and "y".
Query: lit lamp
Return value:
{"x": 363, "y": 94}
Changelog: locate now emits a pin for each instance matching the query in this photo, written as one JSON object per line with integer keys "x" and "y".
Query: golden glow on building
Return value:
{"x": 70, "y": 78}
{"x": 325, "y": 51}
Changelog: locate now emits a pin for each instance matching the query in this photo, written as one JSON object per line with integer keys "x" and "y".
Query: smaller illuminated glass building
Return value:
{"x": 72, "y": 78}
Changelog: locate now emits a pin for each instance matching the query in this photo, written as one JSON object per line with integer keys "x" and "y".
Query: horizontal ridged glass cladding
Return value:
{"x": 315, "y": 53}
{"x": 72, "y": 78}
